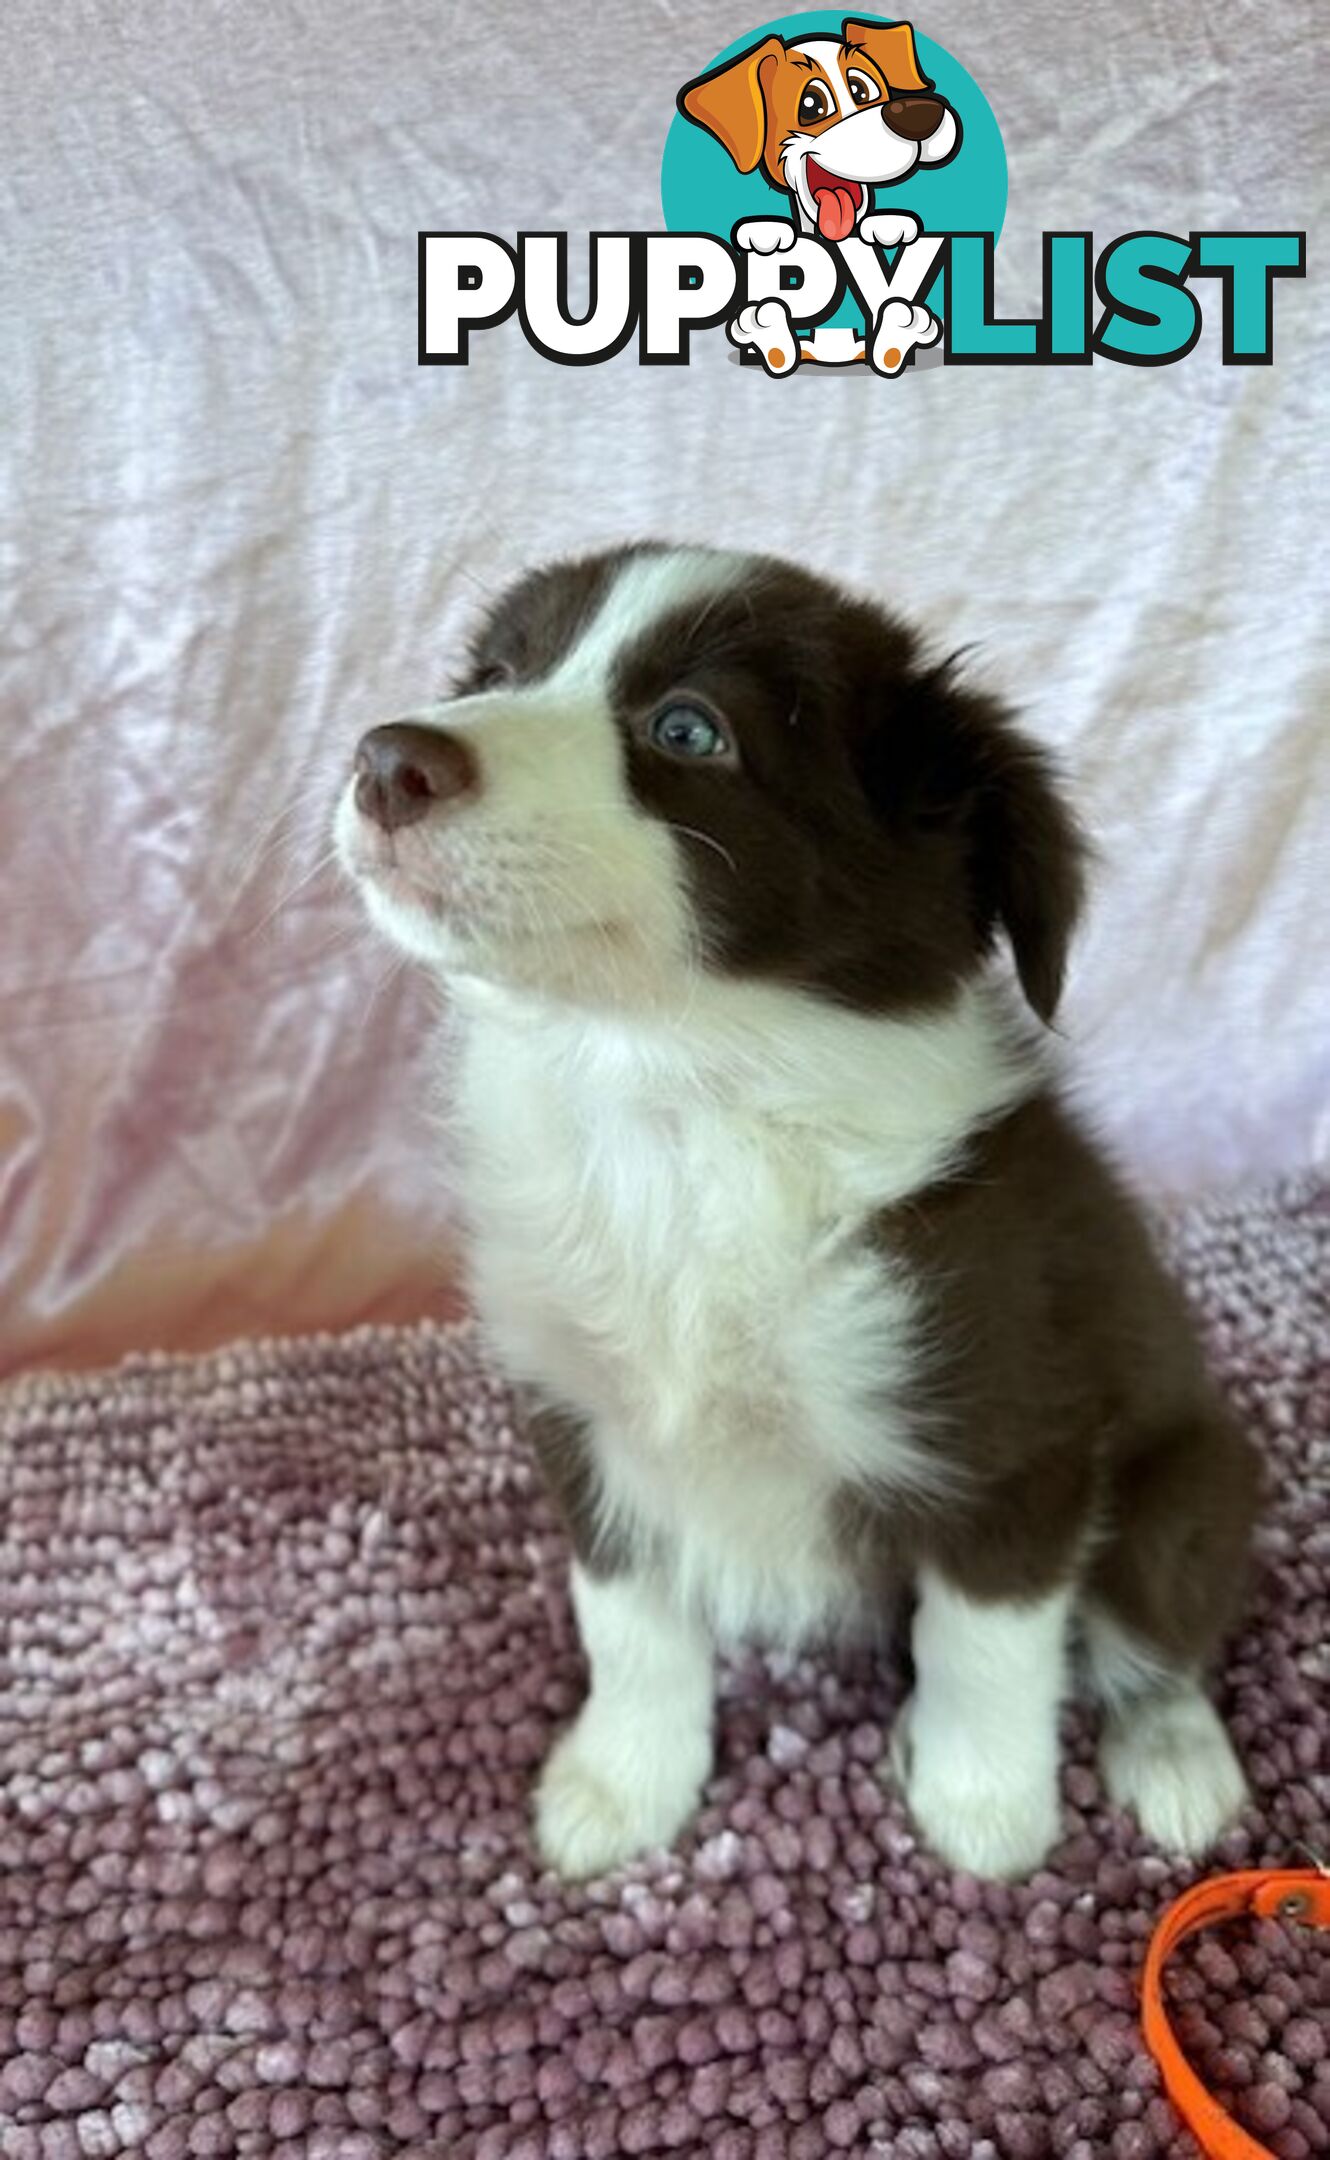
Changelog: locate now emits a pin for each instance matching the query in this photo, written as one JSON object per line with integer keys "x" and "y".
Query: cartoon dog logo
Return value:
{"x": 829, "y": 121}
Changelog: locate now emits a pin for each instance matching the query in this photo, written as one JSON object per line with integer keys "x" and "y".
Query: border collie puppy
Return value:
{"x": 820, "y": 1297}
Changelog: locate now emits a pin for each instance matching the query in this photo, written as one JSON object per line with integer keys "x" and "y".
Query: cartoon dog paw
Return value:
{"x": 897, "y": 331}
{"x": 766, "y": 325}
{"x": 889, "y": 228}
{"x": 764, "y": 236}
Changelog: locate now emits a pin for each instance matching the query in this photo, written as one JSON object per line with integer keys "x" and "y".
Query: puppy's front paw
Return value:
{"x": 764, "y": 236}
{"x": 994, "y": 1822}
{"x": 766, "y": 325}
{"x": 898, "y": 330}
{"x": 1172, "y": 1763}
{"x": 889, "y": 228}
{"x": 592, "y": 1816}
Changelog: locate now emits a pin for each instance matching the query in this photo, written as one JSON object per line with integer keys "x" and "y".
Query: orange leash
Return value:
{"x": 1301, "y": 1894}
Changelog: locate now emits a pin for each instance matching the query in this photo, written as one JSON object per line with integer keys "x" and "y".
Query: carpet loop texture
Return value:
{"x": 286, "y": 1637}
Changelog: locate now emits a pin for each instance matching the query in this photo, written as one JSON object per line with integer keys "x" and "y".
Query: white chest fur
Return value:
{"x": 683, "y": 1258}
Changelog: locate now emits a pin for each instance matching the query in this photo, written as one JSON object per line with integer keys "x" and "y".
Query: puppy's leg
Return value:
{"x": 766, "y": 325}
{"x": 899, "y": 328}
{"x": 1164, "y": 1752}
{"x": 627, "y": 1774}
{"x": 976, "y": 1747}
{"x": 1161, "y": 1592}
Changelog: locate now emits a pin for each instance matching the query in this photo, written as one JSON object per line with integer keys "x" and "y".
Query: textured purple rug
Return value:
{"x": 286, "y": 1638}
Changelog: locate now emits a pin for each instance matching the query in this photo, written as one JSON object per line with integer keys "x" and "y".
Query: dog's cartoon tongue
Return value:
{"x": 835, "y": 212}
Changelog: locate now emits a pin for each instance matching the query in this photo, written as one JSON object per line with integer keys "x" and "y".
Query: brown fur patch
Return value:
{"x": 1065, "y": 1382}
{"x": 537, "y": 621}
{"x": 881, "y": 824}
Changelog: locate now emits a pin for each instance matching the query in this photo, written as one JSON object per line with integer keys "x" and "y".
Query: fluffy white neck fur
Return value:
{"x": 893, "y": 1097}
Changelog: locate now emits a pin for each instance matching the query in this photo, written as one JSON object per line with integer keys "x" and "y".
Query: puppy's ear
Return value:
{"x": 1029, "y": 861}
{"x": 891, "y": 47}
{"x": 729, "y": 103}
{"x": 950, "y": 760}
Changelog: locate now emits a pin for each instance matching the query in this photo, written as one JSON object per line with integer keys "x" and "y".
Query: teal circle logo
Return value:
{"x": 703, "y": 190}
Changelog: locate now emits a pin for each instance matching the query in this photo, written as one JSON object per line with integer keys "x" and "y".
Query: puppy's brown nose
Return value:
{"x": 403, "y": 770}
{"x": 913, "y": 117}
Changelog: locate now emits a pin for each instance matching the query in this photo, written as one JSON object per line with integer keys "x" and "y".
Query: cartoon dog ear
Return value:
{"x": 951, "y": 760}
{"x": 730, "y": 105}
{"x": 891, "y": 47}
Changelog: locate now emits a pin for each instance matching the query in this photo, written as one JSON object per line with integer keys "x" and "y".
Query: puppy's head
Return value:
{"x": 659, "y": 763}
{"x": 827, "y": 119}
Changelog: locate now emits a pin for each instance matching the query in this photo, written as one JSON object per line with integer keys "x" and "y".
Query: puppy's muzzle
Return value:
{"x": 914, "y": 118}
{"x": 404, "y": 770}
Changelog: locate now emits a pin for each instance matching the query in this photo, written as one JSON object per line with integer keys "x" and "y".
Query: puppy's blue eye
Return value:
{"x": 687, "y": 733}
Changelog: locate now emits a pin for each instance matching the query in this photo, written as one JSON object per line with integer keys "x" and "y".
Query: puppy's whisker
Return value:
{"x": 316, "y": 869}
{"x": 280, "y": 838}
{"x": 722, "y": 592}
{"x": 691, "y": 832}
{"x": 461, "y": 570}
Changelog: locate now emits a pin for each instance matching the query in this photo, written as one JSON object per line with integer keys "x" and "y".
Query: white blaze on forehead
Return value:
{"x": 645, "y": 589}
{"x": 554, "y": 842}
{"x": 826, "y": 52}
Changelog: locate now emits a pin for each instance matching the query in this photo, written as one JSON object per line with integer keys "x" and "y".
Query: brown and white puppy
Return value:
{"x": 821, "y": 1295}
{"x": 829, "y": 120}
